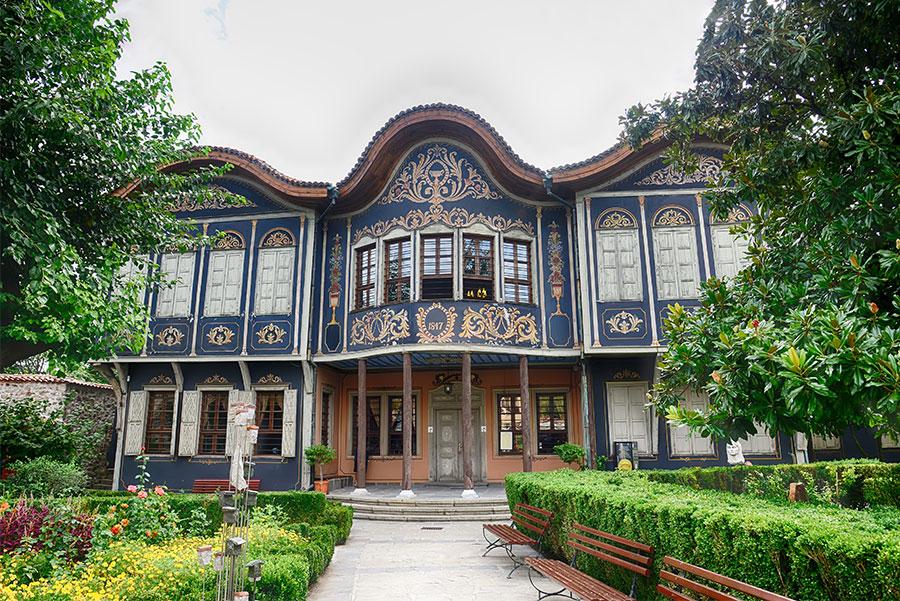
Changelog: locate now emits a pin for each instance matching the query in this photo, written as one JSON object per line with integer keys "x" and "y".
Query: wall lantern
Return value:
{"x": 204, "y": 555}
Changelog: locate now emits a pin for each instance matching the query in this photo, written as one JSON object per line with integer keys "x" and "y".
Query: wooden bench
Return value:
{"x": 622, "y": 552}
{"x": 213, "y": 486}
{"x": 525, "y": 519}
{"x": 681, "y": 577}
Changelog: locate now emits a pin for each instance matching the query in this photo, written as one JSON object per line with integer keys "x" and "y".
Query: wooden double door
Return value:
{"x": 446, "y": 439}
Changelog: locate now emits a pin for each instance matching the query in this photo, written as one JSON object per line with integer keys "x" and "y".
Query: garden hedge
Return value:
{"x": 804, "y": 551}
{"x": 851, "y": 483}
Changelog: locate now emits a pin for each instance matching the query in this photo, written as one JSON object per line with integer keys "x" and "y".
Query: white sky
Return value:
{"x": 304, "y": 85}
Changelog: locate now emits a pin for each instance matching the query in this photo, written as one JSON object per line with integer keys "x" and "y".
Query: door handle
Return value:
{"x": 459, "y": 446}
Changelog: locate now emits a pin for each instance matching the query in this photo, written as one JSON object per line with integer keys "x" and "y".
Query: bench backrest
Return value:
{"x": 213, "y": 485}
{"x": 625, "y": 553}
{"x": 690, "y": 578}
{"x": 535, "y": 519}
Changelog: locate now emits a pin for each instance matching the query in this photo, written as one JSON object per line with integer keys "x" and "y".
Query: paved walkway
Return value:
{"x": 424, "y": 492}
{"x": 384, "y": 561}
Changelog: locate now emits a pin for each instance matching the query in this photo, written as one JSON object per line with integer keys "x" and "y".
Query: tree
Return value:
{"x": 72, "y": 138}
{"x": 807, "y": 337}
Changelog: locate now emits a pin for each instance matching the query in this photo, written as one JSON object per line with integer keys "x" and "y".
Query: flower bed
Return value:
{"x": 807, "y": 552}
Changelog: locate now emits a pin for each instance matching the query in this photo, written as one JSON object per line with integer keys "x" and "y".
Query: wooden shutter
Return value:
{"x": 760, "y": 443}
{"x": 289, "y": 424}
{"x": 685, "y": 442}
{"x": 165, "y": 303}
{"x": 234, "y": 397}
{"x": 234, "y": 276}
{"x": 688, "y": 263}
{"x": 137, "y": 417}
{"x": 284, "y": 271}
{"x": 889, "y": 442}
{"x": 185, "y": 285}
{"x": 618, "y": 413}
{"x": 639, "y": 418}
{"x": 607, "y": 254}
{"x": 826, "y": 443}
{"x": 664, "y": 255}
{"x": 629, "y": 266}
{"x": 215, "y": 283}
{"x": 265, "y": 282}
{"x": 189, "y": 434}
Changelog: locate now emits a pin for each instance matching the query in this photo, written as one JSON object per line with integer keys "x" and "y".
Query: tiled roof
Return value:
{"x": 246, "y": 156}
{"x": 588, "y": 160}
{"x": 439, "y": 106}
{"x": 47, "y": 379}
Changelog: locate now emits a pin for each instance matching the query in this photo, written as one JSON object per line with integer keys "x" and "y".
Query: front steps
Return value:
{"x": 427, "y": 510}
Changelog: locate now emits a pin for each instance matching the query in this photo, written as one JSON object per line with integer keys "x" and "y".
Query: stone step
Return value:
{"x": 369, "y": 510}
{"x": 414, "y": 502}
{"x": 431, "y": 517}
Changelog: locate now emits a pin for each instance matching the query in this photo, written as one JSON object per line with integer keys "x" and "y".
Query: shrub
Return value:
{"x": 56, "y": 535}
{"x": 46, "y": 477}
{"x": 570, "y": 453}
{"x": 318, "y": 455}
{"x": 815, "y": 553}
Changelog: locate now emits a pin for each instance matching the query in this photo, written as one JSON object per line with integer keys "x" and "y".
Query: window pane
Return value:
{"x": 552, "y": 422}
{"x": 395, "y": 426}
{"x": 213, "y": 422}
{"x": 509, "y": 424}
{"x": 158, "y": 432}
{"x": 269, "y": 418}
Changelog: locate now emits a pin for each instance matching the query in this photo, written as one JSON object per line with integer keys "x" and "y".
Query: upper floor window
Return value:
{"x": 275, "y": 274}
{"x": 225, "y": 276}
{"x": 517, "y": 271}
{"x": 175, "y": 299}
{"x": 618, "y": 256}
{"x": 478, "y": 267}
{"x": 398, "y": 268}
{"x": 675, "y": 252}
{"x": 437, "y": 266}
{"x": 729, "y": 250}
{"x": 365, "y": 277}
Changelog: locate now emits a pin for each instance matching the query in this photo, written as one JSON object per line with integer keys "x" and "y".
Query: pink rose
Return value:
{"x": 142, "y": 494}
{"x": 132, "y": 488}
{"x": 159, "y": 490}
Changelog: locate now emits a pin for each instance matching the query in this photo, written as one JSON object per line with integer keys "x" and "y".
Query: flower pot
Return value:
{"x": 321, "y": 486}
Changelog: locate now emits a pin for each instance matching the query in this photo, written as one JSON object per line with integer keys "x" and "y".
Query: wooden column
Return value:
{"x": 407, "y": 423}
{"x": 526, "y": 414}
{"x": 361, "y": 402}
{"x": 467, "y": 421}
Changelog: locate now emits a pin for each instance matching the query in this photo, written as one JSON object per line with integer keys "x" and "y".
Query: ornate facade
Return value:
{"x": 441, "y": 253}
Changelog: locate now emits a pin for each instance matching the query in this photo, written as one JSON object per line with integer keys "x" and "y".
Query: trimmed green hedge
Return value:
{"x": 309, "y": 507}
{"x": 807, "y": 552}
{"x": 851, "y": 483}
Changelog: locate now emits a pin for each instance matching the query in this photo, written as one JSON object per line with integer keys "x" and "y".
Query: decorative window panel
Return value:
{"x": 729, "y": 251}
{"x": 684, "y": 441}
{"x": 677, "y": 267}
{"x": 760, "y": 443}
{"x": 274, "y": 281}
{"x": 552, "y": 421}
{"x": 214, "y": 422}
{"x": 517, "y": 271}
{"x": 629, "y": 419}
{"x": 365, "y": 277}
{"x": 826, "y": 443}
{"x": 175, "y": 300}
{"x": 158, "y": 428}
{"x": 398, "y": 269}
{"x": 509, "y": 424}
{"x": 289, "y": 424}
{"x": 224, "y": 282}
{"x": 619, "y": 257}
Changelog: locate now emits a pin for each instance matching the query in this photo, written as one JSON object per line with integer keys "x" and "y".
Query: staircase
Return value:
{"x": 427, "y": 510}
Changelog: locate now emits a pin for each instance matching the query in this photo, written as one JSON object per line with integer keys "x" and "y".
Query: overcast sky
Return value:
{"x": 305, "y": 85}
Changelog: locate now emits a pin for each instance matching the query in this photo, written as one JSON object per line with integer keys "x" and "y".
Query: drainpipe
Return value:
{"x": 548, "y": 187}
{"x": 332, "y": 199}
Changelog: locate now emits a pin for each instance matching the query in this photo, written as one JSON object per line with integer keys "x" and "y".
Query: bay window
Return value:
{"x": 478, "y": 267}
{"x": 365, "y": 277}
{"x": 437, "y": 266}
{"x": 517, "y": 271}
{"x": 398, "y": 268}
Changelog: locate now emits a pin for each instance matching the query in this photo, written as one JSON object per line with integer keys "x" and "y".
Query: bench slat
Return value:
{"x": 737, "y": 585}
{"x": 636, "y": 558}
{"x": 671, "y": 594}
{"x": 543, "y": 512}
{"x": 528, "y": 525}
{"x": 704, "y": 590}
{"x": 586, "y": 587}
{"x": 509, "y": 535}
{"x": 625, "y": 541}
{"x": 611, "y": 559}
{"x": 211, "y": 485}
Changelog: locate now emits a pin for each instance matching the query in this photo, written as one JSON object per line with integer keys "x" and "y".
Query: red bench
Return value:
{"x": 690, "y": 578}
{"x": 622, "y": 552}
{"x": 214, "y": 486}
{"x": 527, "y": 529}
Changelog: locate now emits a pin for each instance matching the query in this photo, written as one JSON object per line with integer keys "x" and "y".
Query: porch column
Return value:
{"x": 406, "y": 486}
{"x": 468, "y": 488}
{"x": 361, "y": 403}
{"x": 526, "y": 413}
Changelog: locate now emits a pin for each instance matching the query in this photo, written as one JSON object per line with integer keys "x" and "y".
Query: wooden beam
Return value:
{"x": 361, "y": 402}
{"x": 467, "y": 421}
{"x": 407, "y": 422}
{"x": 526, "y": 413}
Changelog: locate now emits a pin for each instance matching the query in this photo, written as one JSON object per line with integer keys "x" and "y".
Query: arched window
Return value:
{"x": 275, "y": 273}
{"x": 225, "y": 276}
{"x": 618, "y": 256}
{"x": 729, "y": 250}
{"x": 675, "y": 253}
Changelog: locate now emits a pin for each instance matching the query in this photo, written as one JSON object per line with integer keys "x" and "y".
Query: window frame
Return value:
{"x": 513, "y": 395}
{"x": 258, "y": 299}
{"x": 269, "y": 389}
{"x": 384, "y": 397}
{"x": 479, "y": 260}
{"x": 652, "y": 419}
{"x": 517, "y": 282}
{"x": 227, "y": 254}
{"x": 438, "y": 256}
{"x": 693, "y": 439}
{"x": 163, "y": 291}
{"x": 203, "y": 391}
{"x": 616, "y": 234}
{"x": 741, "y": 260}
{"x": 358, "y": 287}
{"x": 549, "y": 392}
{"x": 387, "y": 281}
{"x": 175, "y": 393}
{"x": 326, "y": 418}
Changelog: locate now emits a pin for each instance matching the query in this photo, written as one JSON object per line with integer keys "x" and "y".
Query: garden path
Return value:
{"x": 384, "y": 561}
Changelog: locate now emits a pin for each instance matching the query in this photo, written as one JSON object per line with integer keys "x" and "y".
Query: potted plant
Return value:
{"x": 319, "y": 455}
{"x": 570, "y": 453}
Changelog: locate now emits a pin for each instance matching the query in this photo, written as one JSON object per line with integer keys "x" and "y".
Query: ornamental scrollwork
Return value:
{"x": 276, "y": 238}
{"x": 672, "y": 216}
{"x": 189, "y": 205}
{"x": 160, "y": 379}
{"x": 335, "y": 263}
{"x": 735, "y": 215}
{"x": 438, "y": 175}
{"x": 615, "y": 219}
{"x": 270, "y": 334}
{"x": 435, "y": 323}
{"x": 557, "y": 278}
{"x": 455, "y": 218}
{"x": 220, "y": 335}
{"x": 270, "y": 378}
{"x": 169, "y": 336}
{"x": 385, "y": 326}
{"x": 624, "y": 322}
{"x": 495, "y": 324}
{"x": 216, "y": 379}
{"x": 709, "y": 167}
{"x": 626, "y": 374}
{"x": 229, "y": 241}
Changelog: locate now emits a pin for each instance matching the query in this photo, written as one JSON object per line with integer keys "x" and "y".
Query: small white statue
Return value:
{"x": 735, "y": 453}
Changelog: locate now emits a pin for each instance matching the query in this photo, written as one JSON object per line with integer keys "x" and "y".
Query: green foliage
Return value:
{"x": 318, "y": 455}
{"x": 814, "y": 553}
{"x": 46, "y": 477}
{"x": 807, "y": 337}
{"x": 570, "y": 453}
{"x": 72, "y": 135}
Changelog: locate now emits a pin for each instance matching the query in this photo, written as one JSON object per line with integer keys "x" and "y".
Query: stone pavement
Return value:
{"x": 384, "y": 561}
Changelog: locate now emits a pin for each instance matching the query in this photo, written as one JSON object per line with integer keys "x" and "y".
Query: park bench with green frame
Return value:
{"x": 680, "y": 577}
{"x": 621, "y": 552}
{"x": 528, "y": 526}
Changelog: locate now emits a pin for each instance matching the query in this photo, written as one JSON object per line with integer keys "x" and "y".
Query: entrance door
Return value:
{"x": 449, "y": 446}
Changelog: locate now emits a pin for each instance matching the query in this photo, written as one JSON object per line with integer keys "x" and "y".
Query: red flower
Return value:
{"x": 116, "y": 529}
{"x": 755, "y": 323}
{"x": 159, "y": 490}
{"x": 717, "y": 377}
{"x": 142, "y": 494}
{"x": 124, "y": 522}
{"x": 873, "y": 308}
{"x": 132, "y": 488}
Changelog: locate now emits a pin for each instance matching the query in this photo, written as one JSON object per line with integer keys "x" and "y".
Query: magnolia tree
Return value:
{"x": 807, "y": 337}
{"x": 72, "y": 134}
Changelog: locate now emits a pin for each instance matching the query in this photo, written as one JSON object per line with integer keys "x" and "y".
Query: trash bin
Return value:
{"x": 626, "y": 455}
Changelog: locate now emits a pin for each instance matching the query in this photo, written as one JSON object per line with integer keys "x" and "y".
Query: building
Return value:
{"x": 443, "y": 270}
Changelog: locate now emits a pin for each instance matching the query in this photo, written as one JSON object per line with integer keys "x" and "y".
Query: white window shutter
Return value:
{"x": 165, "y": 304}
{"x": 826, "y": 443}
{"x": 234, "y": 397}
{"x": 215, "y": 283}
{"x": 284, "y": 280}
{"x": 609, "y": 284}
{"x": 688, "y": 263}
{"x": 185, "y": 285}
{"x": 137, "y": 417}
{"x": 629, "y": 419}
{"x": 664, "y": 255}
{"x": 640, "y": 422}
{"x": 265, "y": 282}
{"x": 234, "y": 276}
{"x": 189, "y": 434}
{"x": 723, "y": 252}
{"x": 629, "y": 266}
{"x": 289, "y": 424}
